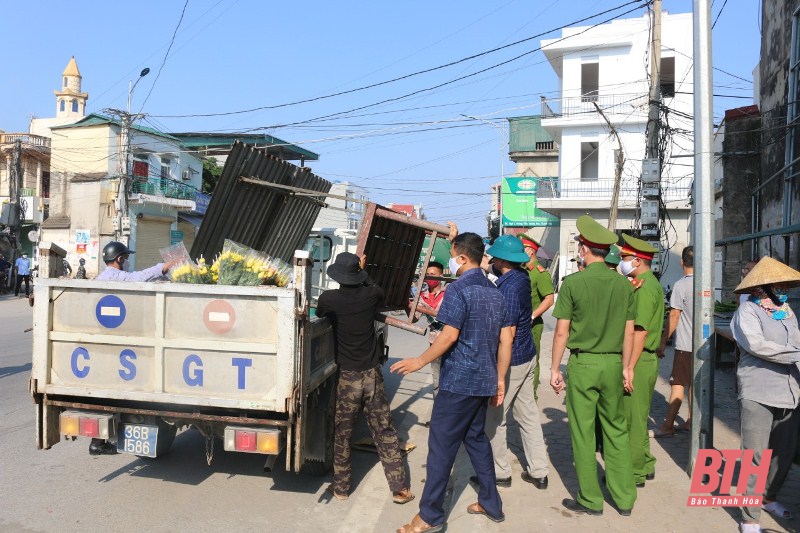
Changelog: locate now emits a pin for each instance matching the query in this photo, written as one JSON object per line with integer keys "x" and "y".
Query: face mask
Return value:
{"x": 496, "y": 271}
{"x": 454, "y": 266}
{"x": 433, "y": 283}
{"x": 626, "y": 267}
{"x": 782, "y": 294}
{"x": 121, "y": 262}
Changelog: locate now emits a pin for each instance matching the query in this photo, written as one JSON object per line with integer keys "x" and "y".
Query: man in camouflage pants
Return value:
{"x": 352, "y": 309}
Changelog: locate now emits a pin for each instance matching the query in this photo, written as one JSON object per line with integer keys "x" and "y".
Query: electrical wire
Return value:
{"x": 166, "y": 55}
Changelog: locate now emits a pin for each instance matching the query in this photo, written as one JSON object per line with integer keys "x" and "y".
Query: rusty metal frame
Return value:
{"x": 392, "y": 243}
{"x": 170, "y": 414}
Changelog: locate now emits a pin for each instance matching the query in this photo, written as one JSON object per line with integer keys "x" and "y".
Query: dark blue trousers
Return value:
{"x": 457, "y": 419}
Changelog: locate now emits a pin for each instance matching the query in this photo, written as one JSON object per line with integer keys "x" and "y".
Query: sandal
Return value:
{"x": 418, "y": 525}
{"x": 402, "y": 496}
{"x": 477, "y": 508}
{"x": 777, "y": 510}
{"x": 339, "y": 496}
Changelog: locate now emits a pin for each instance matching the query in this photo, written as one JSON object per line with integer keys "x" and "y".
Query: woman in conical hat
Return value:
{"x": 766, "y": 329}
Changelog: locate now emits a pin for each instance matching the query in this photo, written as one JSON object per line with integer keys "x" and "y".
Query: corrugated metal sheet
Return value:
{"x": 272, "y": 221}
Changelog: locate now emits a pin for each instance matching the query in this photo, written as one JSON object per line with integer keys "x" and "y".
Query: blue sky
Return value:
{"x": 232, "y": 55}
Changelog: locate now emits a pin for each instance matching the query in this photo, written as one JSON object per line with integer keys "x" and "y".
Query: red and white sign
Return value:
{"x": 219, "y": 316}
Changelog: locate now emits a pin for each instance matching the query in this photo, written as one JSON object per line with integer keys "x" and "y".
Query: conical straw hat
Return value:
{"x": 768, "y": 271}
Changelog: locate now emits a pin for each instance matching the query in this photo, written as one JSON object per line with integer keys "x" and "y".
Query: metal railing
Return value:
{"x": 603, "y": 188}
{"x": 26, "y": 138}
{"x": 27, "y": 191}
{"x": 585, "y": 105}
{"x": 163, "y": 187}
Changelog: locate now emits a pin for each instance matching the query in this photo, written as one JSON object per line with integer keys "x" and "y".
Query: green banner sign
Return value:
{"x": 519, "y": 204}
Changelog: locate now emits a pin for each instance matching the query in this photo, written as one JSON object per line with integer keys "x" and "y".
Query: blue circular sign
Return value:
{"x": 110, "y": 311}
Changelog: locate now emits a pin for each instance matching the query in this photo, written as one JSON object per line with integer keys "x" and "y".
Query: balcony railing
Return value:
{"x": 26, "y": 138}
{"x": 26, "y": 191}
{"x": 163, "y": 187}
{"x": 585, "y": 105}
{"x": 604, "y": 188}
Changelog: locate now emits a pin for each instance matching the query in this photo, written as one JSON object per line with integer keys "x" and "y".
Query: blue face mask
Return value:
{"x": 782, "y": 295}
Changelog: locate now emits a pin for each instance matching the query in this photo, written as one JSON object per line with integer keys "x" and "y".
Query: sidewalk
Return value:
{"x": 661, "y": 505}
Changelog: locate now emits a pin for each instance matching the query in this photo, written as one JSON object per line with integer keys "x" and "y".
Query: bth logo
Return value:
{"x": 707, "y": 479}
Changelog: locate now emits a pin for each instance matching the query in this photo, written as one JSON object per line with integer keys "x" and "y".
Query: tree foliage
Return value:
{"x": 211, "y": 173}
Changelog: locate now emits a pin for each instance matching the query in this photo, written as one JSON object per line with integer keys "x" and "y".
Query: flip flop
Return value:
{"x": 402, "y": 496}
{"x": 335, "y": 494}
{"x": 418, "y": 525}
{"x": 477, "y": 508}
{"x": 777, "y": 510}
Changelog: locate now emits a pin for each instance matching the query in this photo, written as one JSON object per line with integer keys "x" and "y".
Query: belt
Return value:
{"x": 578, "y": 352}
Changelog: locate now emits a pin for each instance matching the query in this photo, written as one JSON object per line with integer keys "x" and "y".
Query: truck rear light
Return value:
{"x": 245, "y": 441}
{"x": 253, "y": 440}
{"x": 85, "y": 424}
{"x": 89, "y": 427}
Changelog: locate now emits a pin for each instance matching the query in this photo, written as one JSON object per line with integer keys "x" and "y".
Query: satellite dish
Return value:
{"x": 33, "y": 235}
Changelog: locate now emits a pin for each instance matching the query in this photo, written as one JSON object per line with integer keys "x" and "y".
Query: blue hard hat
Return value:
{"x": 509, "y": 248}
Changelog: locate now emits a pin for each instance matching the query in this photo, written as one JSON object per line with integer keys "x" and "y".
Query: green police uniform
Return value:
{"x": 541, "y": 286}
{"x": 598, "y": 302}
{"x": 648, "y": 315}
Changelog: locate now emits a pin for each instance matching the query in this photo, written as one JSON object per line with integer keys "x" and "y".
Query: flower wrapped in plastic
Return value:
{"x": 230, "y": 263}
{"x": 186, "y": 272}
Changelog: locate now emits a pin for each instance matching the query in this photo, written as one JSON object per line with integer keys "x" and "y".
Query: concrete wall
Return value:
{"x": 773, "y": 89}
{"x": 85, "y": 150}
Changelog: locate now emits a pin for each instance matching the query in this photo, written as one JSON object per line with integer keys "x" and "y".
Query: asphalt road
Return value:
{"x": 65, "y": 489}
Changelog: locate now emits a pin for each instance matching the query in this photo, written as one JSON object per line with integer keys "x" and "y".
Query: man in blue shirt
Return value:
{"x": 508, "y": 254}
{"x": 115, "y": 254}
{"x": 475, "y": 347}
{"x": 23, "y": 266}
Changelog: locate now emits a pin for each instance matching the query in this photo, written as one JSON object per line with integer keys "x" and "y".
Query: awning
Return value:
{"x": 194, "y": 220}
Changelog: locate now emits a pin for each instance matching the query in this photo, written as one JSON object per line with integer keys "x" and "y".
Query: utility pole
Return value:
{"x": 650, "y": 213}
{"x": 124, "y": 170}
{"x": 612, "y": 218}
{"x": 702, "y": 434}
{"x": 655, "y": 83}
{"x": 15, "y": 192}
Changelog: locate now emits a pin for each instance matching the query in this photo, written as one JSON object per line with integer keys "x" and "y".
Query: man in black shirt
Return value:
{"x": 352, "y": 309}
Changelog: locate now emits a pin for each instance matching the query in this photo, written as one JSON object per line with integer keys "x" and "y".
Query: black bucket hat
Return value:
{"x": 346, "y": 270}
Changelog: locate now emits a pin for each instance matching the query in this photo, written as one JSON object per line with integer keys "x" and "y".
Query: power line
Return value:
{"x": 424, "y": 71}
{"x": 719, "y": 13}
{"x": 166, "y": 55}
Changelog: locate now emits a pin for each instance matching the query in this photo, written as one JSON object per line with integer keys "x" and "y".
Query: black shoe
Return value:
{"x": 577, "y": 507}
{"x": 106, "y": 448}
{"x": 538, "y": 482}
{"x": 640, "y": 484}
{"x": 650, "y": 477}
{"x": 500, "y": 482}
{"x": 624, "y": 512}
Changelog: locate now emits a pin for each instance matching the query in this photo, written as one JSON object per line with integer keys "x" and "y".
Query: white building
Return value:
{"x": 608, "y": 67}
{"x": 341, "y": 213}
